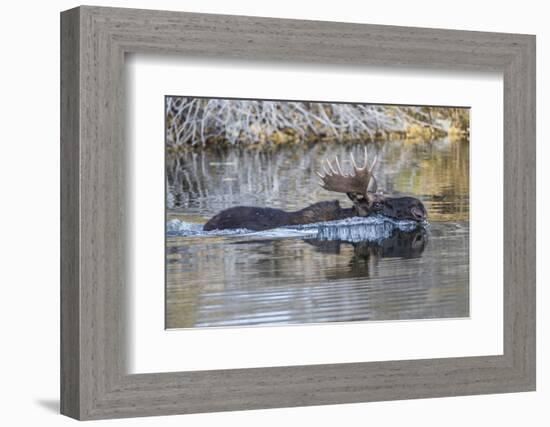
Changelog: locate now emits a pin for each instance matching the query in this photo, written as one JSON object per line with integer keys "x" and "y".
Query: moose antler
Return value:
{"x": 333, "y": 179}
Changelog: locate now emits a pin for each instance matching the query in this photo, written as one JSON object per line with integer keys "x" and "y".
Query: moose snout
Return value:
{"x": 419, "y": 213}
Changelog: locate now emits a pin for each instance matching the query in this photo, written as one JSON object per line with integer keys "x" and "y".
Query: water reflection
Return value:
{"x": 233, "y": 280}
{"x": 227, "y": 282}
{"x": 400, "y": 244}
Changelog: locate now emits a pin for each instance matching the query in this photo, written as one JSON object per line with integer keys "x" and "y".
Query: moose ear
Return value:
{"x": 371, "y": 197}
{"x": 352, "y": 197}
{"x": 360, "y": 203}
{"x": 357, "y": 197}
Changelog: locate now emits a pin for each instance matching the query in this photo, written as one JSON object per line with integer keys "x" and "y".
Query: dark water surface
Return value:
{"x": 364, "y": 270}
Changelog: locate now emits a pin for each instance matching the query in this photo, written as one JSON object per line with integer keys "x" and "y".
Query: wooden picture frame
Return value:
{"x": 94, "y": 382}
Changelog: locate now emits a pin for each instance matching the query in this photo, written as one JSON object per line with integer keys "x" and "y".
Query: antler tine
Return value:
{"x": 353, "y": 160}
{"x": 334, "y": 172}
{"x": 374, "y": 162}
{"x": 338, "y": 166}
{"x": 365, "y": 162}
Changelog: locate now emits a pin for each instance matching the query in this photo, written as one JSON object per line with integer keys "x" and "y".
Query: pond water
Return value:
{"x": 358, "y": 269}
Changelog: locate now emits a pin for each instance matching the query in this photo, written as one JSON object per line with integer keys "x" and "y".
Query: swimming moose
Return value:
{"x": 366, "y": 201}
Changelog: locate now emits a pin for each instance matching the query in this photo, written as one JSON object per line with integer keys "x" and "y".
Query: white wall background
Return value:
{"x": 29, "y": 236}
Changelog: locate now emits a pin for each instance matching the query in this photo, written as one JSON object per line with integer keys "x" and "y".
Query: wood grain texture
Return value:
{"x": 70, "y": 292}
{"x": 95, "y": 274}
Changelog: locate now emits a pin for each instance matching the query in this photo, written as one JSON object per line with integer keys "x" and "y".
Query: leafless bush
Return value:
{"x": 199, "y": 121}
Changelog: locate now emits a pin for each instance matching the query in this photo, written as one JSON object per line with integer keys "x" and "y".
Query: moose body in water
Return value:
{"x": 360, "y": 186}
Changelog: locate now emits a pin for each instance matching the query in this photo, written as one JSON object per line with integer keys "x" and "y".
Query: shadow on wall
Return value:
{"x": 52, "y": 405}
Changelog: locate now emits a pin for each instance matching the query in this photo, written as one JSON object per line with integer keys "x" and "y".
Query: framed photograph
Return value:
{"x": 352, "y": 244}
{"x": 262, "y": 213}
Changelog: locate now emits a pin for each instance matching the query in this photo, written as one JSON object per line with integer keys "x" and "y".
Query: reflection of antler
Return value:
{"x": 358, "y": 181}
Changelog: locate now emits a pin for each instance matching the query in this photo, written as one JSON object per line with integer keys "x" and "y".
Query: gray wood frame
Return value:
{"x": 94, "y": 382}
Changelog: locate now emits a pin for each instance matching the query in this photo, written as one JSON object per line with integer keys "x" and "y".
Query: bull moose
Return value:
{"x": 360, "y": 186}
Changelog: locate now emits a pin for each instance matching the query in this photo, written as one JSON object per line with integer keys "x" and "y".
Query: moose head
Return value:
{"x": 361, "y": 187}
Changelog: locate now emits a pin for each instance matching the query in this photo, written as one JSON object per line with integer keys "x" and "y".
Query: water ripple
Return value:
{"x": 356, "y": 229}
